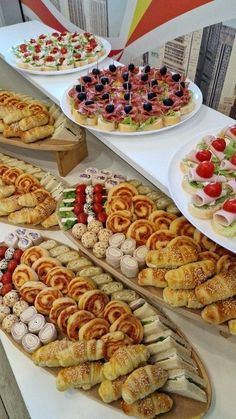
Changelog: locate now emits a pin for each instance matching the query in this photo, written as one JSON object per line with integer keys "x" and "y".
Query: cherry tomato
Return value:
{"x": 80, "y": 199}
{"x": 233, "y": 159}
{"x": 230, "y": 205}
{"x": 233, "y": 129}
{"x": 37, "y": 48}
{"x": 97, "y": 208}
{"x": 205, "y": 169}
{"x": 219, "y": 144}
{"x": 82, "y": 218}
{"x": 97, "y": 198}
{"x": 203, "y": 155}
{"x": 78, "y": 208}
{"x": 80, "y": 189}
{"x": 12, "y": 264}
{"x": 64, "y": 50}
{"x": 2, "y": 251}
{"x": 17, "y": 254}
{"x": 5, "y": 289}
{"x": 23, "y": 48}
{"x": 55, "y": 50}
{"x": 7, "y": 278}
{"x": 213, "y": 189}
{"x": 102, "y": 216}
{"x": 98, "y": 188}
{"x": 49, "y": 58}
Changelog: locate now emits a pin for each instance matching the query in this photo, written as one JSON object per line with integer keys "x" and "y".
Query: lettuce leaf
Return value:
{"x": 69, "y": 224}
{"x": 129, "y": 121}
{"x": 149, "y": 121}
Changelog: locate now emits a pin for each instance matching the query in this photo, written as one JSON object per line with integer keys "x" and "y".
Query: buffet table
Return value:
{"x": 148, "y": 156}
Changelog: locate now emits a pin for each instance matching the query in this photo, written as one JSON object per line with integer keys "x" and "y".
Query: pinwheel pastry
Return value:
{"x": 120, "y": 203}
{"x": 130, "y": 325}
{"x": 45, "y": 299}
{"x": 115, "y": 309}
{"x": 162, "y": 219}
{"x": 58, "y": 306}
{"x": 59, "y": 277}
{"x": 182, "y": 227}
{"x": 79, "y": 285}
{"x": 143, "y": 206}
{"x": 94, "y": 301}
{"x": 23, "y": 273}
{"x": 64, "y": 316}
{"x": 115, "y": 340}
{"x": 9, "y": 177}
{"x": 76, "y": 321}
{"x": 26, "y": 183}
{"x": 140, "y": 231}
{"x": 32, "y": 254}
{"x": 159, "y": 239}
{"x": 30, "y": 290}
{"x": 43, "y": 265}
{"x": 94, "y": 329}
{"x": 123, "y": 189}
{"x": 119, "y": 221}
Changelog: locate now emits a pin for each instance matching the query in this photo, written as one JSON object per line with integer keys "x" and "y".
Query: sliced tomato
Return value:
{"x": 203, "y": 155}
{"x": 205, "y": 169}
{"x": 219, "y": 144}
{"x": 213, "y": 189}
{"x": 233, "y": 159}
{"x": 230, "y": 206}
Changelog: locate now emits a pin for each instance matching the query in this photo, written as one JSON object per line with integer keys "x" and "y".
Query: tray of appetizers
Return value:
{"x": 202, "y": 183}
{"x": 120, "y": 228}
{"x": 64, "y": 316}
{"x": 128, "y": 100}
{"x": 28, "y": 194}
{"x": 58, "y": 53}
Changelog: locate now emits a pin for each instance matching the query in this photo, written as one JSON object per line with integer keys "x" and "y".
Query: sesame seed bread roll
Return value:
{"x": 220, "y": 287}
{"x": 149, "y": 407}
{"x": 191, "y": 275}
{"x": 82, "y": 376}
{"x": 220, "y": 311}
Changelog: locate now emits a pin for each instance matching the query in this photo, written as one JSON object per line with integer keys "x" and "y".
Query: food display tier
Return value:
{"x": 151, "y": 155}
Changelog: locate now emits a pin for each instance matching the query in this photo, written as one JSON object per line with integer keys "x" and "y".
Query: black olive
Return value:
{"x": 127, "y": 85}
{"x": 163, "y": 70}
{"x": 144, "y": 77}
{"x": 87, "y": 79}
{"x": 176, "y": 77}
{"x": 104, "y": 80}
{"x": 96, "y": 71}
{"x": 110, "y": 108}
{"x": 99, "y": 87}
{"x": 168, "y": 102}
{"x": 147, "y": 106}
{"x": 147, "y": 69}
{"x": 182, "y": 83}
{"x": 151, "y": 95}
{"x": 128, "y": 108}
{"x": 127, "y": 96}
{"x": 112, "y": 68}
{"x": 79, "y": 88}
{"x": 105, "y": 96}
{"x": 154, "y": 82}
{"x": 89, "y": 102}
{"x": 125, "y": 76}
{"x": 81, "y": 96}
{"x": 179, "y": 93}
{"x": 131, "y": 67}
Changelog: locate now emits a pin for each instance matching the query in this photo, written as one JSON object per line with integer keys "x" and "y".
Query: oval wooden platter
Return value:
{"x": 154, "y": 294}
{"x": 183, "y": 407}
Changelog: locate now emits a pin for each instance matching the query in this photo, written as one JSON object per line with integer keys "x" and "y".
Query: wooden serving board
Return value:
{"x": 183, "y": 407}
{"x": 67, "y": 153}
{"x": 153, "y": 294}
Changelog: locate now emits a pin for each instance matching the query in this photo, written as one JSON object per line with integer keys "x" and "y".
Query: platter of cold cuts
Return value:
{"x": 202, "y": 183}
{"x": 129, "y": 100}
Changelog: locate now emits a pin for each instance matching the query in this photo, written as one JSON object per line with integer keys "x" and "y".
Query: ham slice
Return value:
{"x": 224, "y": 218}
{"x": 232, "y": 184}
{"x": 219, "y": 154}
{"x": 227, "y": 165}
{"x": 200, "y": 198}
{"x": 193, "y": 176}
{"x": 192, "y": 156}
{"x": 208, "y": 139}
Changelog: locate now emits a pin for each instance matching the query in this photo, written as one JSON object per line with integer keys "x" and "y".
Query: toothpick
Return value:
{"x": 130, "y": 94}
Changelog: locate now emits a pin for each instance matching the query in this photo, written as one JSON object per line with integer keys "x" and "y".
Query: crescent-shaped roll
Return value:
{"x": 23, "y": 273}
{"x": 109, "y": 391}
{"x": 78, "y": 319}
{"x": 130, "y": 325}
{"x": 45, "y": 299}
{"x": 220, "y": 287}
{"x": 46, "y": 356}
{"x": 32, "y": 254}
{"x": 190, "y": 275}
{"x": 31, "y": 199}
{"x": 181, "y": 298}
{"x": 153, "y": 277}
{"x": 125, "y": 360}
{"x": 94, "y": 301}
{"x": 149, "y": 407}
{"x": 83, "y": 376}
{"x": 79, "y": 352}
{"x": 220, "y": 311}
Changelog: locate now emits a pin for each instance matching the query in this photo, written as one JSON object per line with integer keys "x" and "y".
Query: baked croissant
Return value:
{"x": 19, "y": 217}
{"x": 6, "y": 191}
{"x": 142, "y": 382}
{"x": 219, "y": 287}
{"x": 34, "y": 121}
{"x": 220, "y": 311}
{"x": 83, "y": 351}
{"x": 82, "y": 376}
{"x": 190, "y": 275}
{"x": 36, "y": 215}
{"x": 109, "y": 391}
{"x": 153, "y": 277}
{"x": 50, "y": 221}
{"x": 46, "y": 356}
{"x": 37, "y": 133}
{"x": 31, "y": 199}
{"x": 149, "y": 407}
{"x": 125, "y": 360}
{"x": 181, "y": 298}
{"x": 9, "y": 204}
{"x": 170, "y": 257}
{"x": 16, "y": 114}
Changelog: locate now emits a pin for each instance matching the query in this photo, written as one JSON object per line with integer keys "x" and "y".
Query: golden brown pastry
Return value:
{"x": 153, "y": 277}
{"x": 208, "y": 255}
{"x": 181, "y": 298}
{"x": 64, "y": 316}
{"x": 79, "y": 352}
{"x": 37, "y": 133}
{"x": 143, "y": 206}
{"x": 30, "y": 289}
{"x": 46, "y": 356}
{"x": 120, "y": 203}
{"x": 190, "y": 275}
{"x": 94, "y": 301}
{"x": 142, "y": 382}
{"x": 159, "y": 239}
{"x": 58, "y": 306}
{"x": 6, "y": 191}
{"x": 114, "y": 309}
{"x": 82, "y": 376}
{"x": 31, "y": 199}
{"x": 123, "y": 189}
{"x": 42, "y": 211}
{"x": 43, "y": 265}
{"x": 149, "y": 407}
{"x": 130, "y": 325}
{"x": 232, "y": 326}
{"x": 114, "y": 340}
{"x": 204, "y": 241}
{"x": 26, "y": 183}
{"x": 23, "y": 273}
{"x": 162, "y": 219}
{"x": 79, "y": 285}
{"x": 76, "y": 321}
{"x": 19, "y": 217}
{"x": 94, "y": 329}
{"x": 10, "y": 204}
{"x": 220, "y": 311}
{"x": 125, "y": 360}
{"x": 182, "y": 227}
{"x": 224, "y": 262}
{"x": 220, "y": 287}
{"x": 140, "y": 231}
{"x": 60, "y": 278}
{"x": 3, "y": 168}
{"x": 29, "y": 122}
{"x": 16, "y": 115}
{"x": 109, "y": 391}
{"x": 50, "y": 221}
{"x": 32, "y": 254}
{"x": 9, "y": 177}
{"x": 119, "y": 221}
{"x": 45, "y": 299}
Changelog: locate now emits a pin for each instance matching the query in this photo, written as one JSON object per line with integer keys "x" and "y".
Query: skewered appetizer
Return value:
{"x": 127, "y": 98}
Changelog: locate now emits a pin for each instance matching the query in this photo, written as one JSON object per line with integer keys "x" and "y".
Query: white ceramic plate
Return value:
{"x": 11, "y": 60}
{"x": 182, "y": 198}
{"x": 197, "y": 97}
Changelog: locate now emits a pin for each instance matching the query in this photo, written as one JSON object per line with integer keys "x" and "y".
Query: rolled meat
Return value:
{"x": 193, "y": 176}
{"x": 224, "y": 218}
{"x": 227, "y": 165}
{"x": 200, "y": 198}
